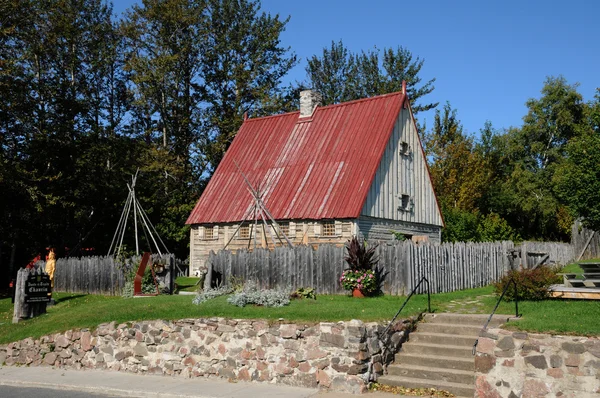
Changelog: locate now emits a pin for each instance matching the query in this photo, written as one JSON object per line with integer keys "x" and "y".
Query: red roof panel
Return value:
{"x": 309, "y": 168}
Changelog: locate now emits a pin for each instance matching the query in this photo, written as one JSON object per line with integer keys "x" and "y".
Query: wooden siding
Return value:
{"x": 305, "y": 232}
{"x": 403, "y": 173}
{"x": 378, "y": 229}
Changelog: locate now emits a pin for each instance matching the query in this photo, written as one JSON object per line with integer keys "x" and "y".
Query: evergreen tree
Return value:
{"x": 340, "y": 75}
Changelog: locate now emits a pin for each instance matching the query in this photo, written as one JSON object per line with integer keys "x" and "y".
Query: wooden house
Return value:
{"x": 325, "y": 174}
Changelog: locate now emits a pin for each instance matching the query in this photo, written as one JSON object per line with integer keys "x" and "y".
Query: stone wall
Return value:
{"x": 519, "y": 364}
{"x": 343, "y": 356}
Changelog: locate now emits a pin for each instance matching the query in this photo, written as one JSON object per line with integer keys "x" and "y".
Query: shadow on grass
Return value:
{"x": 66, "y": 298}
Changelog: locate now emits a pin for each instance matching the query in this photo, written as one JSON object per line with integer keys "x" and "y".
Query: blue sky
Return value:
{"x": 488, "y": 57}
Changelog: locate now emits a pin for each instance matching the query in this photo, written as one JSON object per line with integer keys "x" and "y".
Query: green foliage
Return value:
{"x": 360, "y": 256}
{"x": 85, "y": 101}
{"x": 148, "y": 286}
{"x": 340, "y": 75}
{"x": 492, "y": 228}
{"x": 399, "y": 236}
{"x": 304, "y": 293}
{"x": 461, "y": 225}
{"x": 532, "y": 284}
{"x": 578, "y": 178}
{"x": 363, "y": 280}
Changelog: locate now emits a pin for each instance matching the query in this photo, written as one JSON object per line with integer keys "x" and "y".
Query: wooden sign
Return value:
{"x": 37, "y": 289}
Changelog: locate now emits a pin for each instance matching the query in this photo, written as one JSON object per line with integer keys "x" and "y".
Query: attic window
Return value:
{"x": 404, "y": 148}
{"x": 406, "y": 203}
{"x": 208, "y": 233}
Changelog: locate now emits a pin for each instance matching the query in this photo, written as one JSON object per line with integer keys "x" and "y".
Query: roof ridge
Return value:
{"x": 352, "y": 102}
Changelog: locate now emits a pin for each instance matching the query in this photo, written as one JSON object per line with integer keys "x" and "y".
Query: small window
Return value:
{"x": 208, "y": 232}
{"x": 244, "y": 232}
{"x": 406, "y": 203}
{"x": 284, "y": 228}
{"x": 404, "y": 148}
{"x": 328, "y": 228}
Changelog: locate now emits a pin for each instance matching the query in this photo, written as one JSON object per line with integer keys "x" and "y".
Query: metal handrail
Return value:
{"x": 496, "y": 307}
{"x": 406, "y": 301}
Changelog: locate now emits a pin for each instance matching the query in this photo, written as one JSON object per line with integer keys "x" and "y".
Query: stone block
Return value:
{"x": 140, "y": 350}
{"x": 593, "y": 347}
{"x": 483, "y": 389}
{"x": 555, "y": 372}
{"x": 537, "y": 361}
{"x": 323, "y": 378}
{"x": 556, "y": 361}
{"x": 520, "y": 335}
{"x": 534, "y": 388}
{"x": 573, "y": 360}
{"x": 288, "y": 331}
{"x": 573, "y": 348}
{"x": 486, "y": 346}
{"x": 62, "y": 341}
{"x": 484, "y": 363}
{"x": 330, "y": 339}
{"x": 50, "y": 358}
{"x": 506, "y": 343}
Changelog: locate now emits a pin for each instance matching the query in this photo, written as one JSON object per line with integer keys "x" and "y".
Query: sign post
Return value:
{"x": 33, "y": 291}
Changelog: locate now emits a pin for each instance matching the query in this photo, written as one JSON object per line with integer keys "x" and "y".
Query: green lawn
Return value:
{"x": 187, "y": 284}
{"x": 87, "y": 311}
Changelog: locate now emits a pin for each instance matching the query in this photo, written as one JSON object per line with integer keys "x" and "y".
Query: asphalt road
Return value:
{"x": 30, "y": 392}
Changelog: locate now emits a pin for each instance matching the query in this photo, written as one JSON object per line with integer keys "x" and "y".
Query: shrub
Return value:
{"x": 532, "y": 284}
{"x": 360, "y": 256}
{"x": 209, "y": 294}
{"x": 365, "y": 281}
{"x": 148, "y": 286}
{"x": 304, "y": 292}
{"x": 252, "y": 294}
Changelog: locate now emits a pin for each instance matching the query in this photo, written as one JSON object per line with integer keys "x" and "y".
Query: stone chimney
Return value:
{"x": 309, "y": 100}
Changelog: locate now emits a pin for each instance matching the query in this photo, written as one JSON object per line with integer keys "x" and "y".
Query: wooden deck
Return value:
{"x": 584, "y": 293}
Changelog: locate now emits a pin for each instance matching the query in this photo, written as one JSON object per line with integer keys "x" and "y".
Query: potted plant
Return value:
{"x": 360, "y": 278}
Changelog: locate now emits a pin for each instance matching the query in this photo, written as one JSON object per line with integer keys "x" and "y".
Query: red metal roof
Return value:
{"x": 320, "y": 167}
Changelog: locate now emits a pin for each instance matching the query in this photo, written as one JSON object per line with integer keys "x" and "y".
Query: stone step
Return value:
{"x": 463, "y": 390}
{"x": 437, "y": 374}
{"x": 441, "y": 338}
{"x": 467, "y": 319}
{"x": 435, "y": 361}
{"x": 449, "y": 328}
{"x": 437, "y": 349}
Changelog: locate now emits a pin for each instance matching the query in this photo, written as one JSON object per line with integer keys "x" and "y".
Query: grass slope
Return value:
{"x": 87, "y": 311}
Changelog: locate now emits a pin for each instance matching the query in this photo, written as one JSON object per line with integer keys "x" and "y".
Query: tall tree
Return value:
{"x": 456, "y": 168}
{"x": 242, "y": 67}
{"x": 61, "y": 92}
{"x": 535, "y": 151}
{"x": 340, "y": 75}
{"x": 578, "y": 177}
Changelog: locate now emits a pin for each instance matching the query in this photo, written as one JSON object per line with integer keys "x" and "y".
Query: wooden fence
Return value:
{"x": 99, "y": 275}
{"x": 585, "y": 242}
{"x": 532, "y": 253}
{"x": 448, "y": 267}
